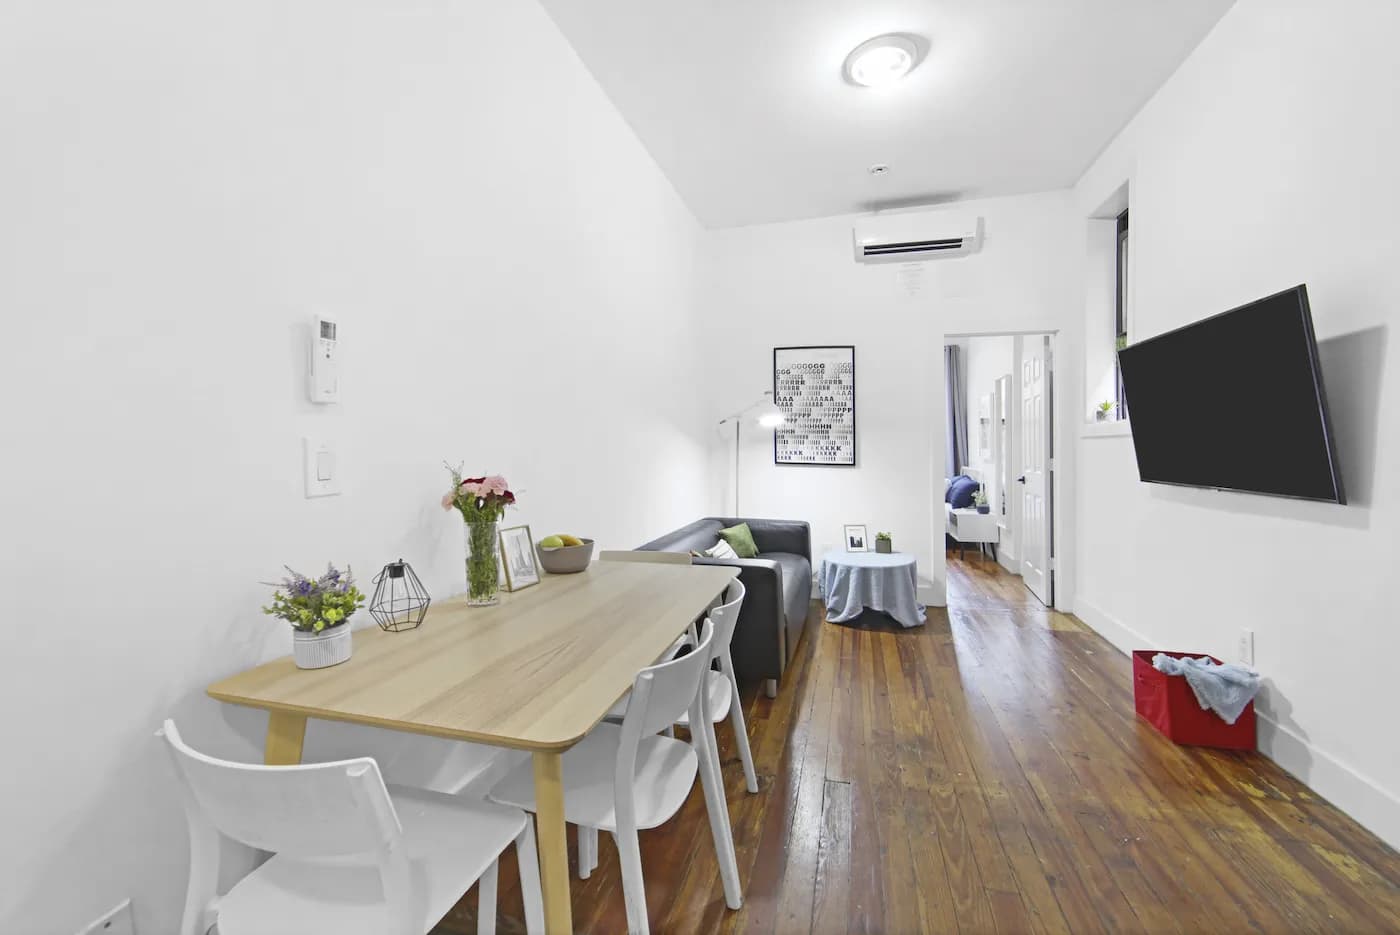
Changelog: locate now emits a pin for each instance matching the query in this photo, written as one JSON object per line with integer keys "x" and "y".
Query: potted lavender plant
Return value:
{"x": 319, "y": 610}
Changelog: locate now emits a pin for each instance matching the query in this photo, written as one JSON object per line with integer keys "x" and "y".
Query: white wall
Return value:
{"x": 1267, "y": 160}
{"x": 986, "y": 360}
{"x": 184, "y": 182}
{"x": 796, "y": 283}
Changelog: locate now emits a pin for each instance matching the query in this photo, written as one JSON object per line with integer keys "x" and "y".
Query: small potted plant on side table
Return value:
{"x": 883, "y": 543}
{"x": 979, "y": 500}
{"x": 319, "y": 610}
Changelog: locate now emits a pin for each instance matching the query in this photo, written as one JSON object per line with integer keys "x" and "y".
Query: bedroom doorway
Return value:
{"x": 999, "y": 464}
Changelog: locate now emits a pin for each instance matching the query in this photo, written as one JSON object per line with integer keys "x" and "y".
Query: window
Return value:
{"x": 1120, "y": 314}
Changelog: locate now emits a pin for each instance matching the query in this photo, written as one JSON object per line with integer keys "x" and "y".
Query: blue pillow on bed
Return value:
{"x": 960, "y": 492}
{"x": 948, "y": 494}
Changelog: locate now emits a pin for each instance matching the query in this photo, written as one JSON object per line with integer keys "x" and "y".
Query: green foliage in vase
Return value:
{"x": 882, "y": 537}
{"x": 315, "y": 604}
{"x": 483, "y": 568}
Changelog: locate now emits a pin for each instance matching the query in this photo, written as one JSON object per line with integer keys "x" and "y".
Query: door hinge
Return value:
{"x": 1050, "y": 464}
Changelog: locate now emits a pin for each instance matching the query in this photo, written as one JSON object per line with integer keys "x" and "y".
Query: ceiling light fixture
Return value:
{"x": 881, "y": 61}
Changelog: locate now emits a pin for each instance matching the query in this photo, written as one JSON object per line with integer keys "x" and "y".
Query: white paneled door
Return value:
{"x": 1035, "y": 465}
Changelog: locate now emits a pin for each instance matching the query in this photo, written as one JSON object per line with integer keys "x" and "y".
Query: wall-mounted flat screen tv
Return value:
{"x": 1235, "y": 402}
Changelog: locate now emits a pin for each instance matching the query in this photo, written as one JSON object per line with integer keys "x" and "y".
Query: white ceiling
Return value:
{"x": 743, "y": 104}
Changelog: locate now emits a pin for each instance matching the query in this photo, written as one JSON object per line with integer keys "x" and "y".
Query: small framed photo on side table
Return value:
{"x": 518, "y": 558}
{"x": 856, "y": 539}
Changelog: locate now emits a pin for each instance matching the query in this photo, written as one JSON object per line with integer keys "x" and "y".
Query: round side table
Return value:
{"x": 851, "y": 582}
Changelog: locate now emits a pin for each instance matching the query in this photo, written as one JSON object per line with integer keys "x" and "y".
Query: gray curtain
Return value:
{"x": 956, "y": 447}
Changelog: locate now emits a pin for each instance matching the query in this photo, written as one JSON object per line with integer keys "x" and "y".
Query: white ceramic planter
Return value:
{"x": 319, "y": 650}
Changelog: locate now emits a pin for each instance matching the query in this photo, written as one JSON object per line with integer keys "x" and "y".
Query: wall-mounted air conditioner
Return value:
{"x": 901, "y": 238}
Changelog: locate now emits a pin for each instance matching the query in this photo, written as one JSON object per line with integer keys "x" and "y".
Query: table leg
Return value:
{"x": 285, "y": 733}
{"x": 554, "y": 850}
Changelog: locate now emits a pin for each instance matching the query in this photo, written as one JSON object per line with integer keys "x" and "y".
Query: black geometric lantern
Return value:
{"x": 400, "y": 600}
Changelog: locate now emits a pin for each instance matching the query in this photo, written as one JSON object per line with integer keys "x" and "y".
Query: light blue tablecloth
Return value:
{"x": 853, "y": 581}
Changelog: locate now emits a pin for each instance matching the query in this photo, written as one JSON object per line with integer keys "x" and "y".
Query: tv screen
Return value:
{"x": 1235, "y": 402}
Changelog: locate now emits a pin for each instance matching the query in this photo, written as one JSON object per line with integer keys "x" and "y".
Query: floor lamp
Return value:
{"x": 763, "y": 411}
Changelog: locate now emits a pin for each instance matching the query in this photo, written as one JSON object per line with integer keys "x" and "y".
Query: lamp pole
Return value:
{"x": 768, "y": 415}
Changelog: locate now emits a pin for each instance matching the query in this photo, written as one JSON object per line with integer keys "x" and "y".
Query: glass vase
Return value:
{"x": 483, "y": 563}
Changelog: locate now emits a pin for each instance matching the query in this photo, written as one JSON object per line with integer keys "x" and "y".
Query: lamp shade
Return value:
{"x": 762, "y": 410}
{"x": 400, "y": 601}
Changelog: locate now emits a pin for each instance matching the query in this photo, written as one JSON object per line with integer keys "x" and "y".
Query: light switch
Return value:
{"x": 320, "y": 466}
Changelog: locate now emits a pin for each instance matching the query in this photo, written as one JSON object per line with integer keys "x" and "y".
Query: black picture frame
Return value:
{"x": 851, "y": 350}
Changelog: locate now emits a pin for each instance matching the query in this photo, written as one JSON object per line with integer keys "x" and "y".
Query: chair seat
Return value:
{"x": 666, "y": 772}
{"x": 448, "y": 840}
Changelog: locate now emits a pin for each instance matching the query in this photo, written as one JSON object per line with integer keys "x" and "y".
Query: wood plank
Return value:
{"x": 535, "y": 672}
{"x": 831, "y": 908}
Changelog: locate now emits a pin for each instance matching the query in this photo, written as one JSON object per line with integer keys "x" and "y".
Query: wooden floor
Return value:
{"x": 986, "y": 773}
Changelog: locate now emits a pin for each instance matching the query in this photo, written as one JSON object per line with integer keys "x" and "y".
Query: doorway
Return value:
{"x": 999, "y": 466}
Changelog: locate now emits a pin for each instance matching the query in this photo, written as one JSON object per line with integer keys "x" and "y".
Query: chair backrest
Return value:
{"x": 317, "y": 810}
{"x": 725, "y": 617}
{"x": 641, "y": 555}
{"x": 659, "y": 694}
{"x": 662, "y": 691}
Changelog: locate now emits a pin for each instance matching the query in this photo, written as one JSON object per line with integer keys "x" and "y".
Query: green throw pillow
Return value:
{"x": 740, "y": 539}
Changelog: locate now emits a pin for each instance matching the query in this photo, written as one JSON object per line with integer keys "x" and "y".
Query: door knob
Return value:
{"x": 1021, "y": 479}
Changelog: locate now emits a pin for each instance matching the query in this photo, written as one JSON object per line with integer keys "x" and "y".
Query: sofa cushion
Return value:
{"x": 740, "y": 538}
{"x": 797, "y": 583}
{"x": 722, "y": 549}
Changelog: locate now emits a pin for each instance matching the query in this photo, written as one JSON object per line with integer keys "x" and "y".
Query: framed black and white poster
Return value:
{"x": 815, "y": 388}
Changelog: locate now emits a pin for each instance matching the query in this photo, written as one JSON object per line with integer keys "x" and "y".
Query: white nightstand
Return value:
{"x": 969, "y": 527}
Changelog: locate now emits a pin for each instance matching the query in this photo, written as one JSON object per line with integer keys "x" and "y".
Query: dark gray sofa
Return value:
{"x": 778, "y": 582}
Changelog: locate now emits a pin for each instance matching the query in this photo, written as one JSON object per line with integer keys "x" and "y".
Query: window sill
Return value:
{"x": 1105, "y": 429}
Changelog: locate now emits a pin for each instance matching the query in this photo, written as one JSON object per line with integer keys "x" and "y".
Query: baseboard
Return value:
{"x": 1009, "y": 561}
{"x": 929, "y": 594}
{"x": 1345, "y": 787}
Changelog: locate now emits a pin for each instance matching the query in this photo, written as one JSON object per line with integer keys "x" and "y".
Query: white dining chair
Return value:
{"x": 722, "y": 686}
{"x": 350, "y": 855}
{"x": 625, "y": 778}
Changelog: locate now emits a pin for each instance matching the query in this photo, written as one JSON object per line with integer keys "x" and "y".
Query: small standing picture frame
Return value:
{"x": 518, "y": 558}
{"x": 856, "y": 538}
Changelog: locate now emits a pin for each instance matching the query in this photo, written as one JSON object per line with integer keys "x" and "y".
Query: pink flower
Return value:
{"x": 448, "y": 498}
{"x": 495, "y": 484}
{"x": 471, "y": 489}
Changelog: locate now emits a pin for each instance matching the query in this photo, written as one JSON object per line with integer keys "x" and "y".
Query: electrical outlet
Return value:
{"x": 116, "y": 921}
{"x": 1245, "y": 652}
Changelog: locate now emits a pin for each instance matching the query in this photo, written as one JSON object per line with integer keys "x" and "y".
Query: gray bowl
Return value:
{"x": 566, "y": 559}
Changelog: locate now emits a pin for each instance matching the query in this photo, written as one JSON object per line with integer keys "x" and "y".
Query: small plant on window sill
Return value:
{"x": 1103, "y": 411}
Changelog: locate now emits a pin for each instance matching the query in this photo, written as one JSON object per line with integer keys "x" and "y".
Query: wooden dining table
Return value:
{"x": 535, "y": 672}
